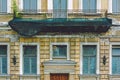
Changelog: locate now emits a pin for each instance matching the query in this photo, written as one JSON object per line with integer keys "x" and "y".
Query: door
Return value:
{"x": 59, "y": 8}
{"x": 59, "y": 76}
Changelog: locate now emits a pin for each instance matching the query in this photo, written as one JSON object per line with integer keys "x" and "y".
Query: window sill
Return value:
{"x": 89, "y": 75}
{"x": 59, "y": 57}
{"x": 32, "y": 75}
{"x": 115, "y": 75}
{"x": 59, "y": 62}
{"x": 4, "y": 75}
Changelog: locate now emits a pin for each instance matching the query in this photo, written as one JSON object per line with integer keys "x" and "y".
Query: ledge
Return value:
{"x": 59, "y": 62}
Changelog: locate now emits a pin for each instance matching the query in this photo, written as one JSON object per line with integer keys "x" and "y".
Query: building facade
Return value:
{"x": 59, "y": 39}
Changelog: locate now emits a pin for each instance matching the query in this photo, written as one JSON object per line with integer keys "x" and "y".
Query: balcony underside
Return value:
{"x": 30, "y": 27}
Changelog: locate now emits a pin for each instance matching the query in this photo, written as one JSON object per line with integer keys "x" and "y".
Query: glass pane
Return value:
{"x": 89, "y": 6}
{"x": 26, "y": 5}
{"x": 4, "y": 65}
{"x": 63, "y": 9}
{"x": 3, "y": 6}
{"x": 116, "y": 65}
{"x": 59, "y": 8}
{"x": 85, "y": 65}
{"x": 89, "y": 59}
{"x": 92, "y": 65}
{"x": 115, "y": 51}
{"x": 33, "y": 5}
{"x": 93, "y": 6}
{"x": 56, "y": 8}
{"x": 89, "y": 50}
{"x": 3, "y": 50}
{"x": 34, "y": 65}
{"x": 59, "y": 50}
{"x": 85, "y": 6}
{"x": 118, "y": 5}
{"x": 114, "y": 6}
{"x": 30, "y": 50}
{"x": 0, "y": 65}
{"x": 26, "y": 65}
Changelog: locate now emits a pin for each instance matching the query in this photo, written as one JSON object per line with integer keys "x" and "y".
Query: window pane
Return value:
{"x": 3, "y": 6}
{"x": 0, "y": 65}
{"x": 33, "y": 65}
{"x": 116, "y": 65}
{"x": 59, "y": 51}
{"x": 85, "y": 65}
{"x": 30, "y": 50}
{"x": 26, "y": 5}
{"x": 89, "y": 50}
{"x": 115, "y": 6}
{"x": 30, "y": 5}
{"x": 92, "y": 65}
{"x": 85, "y": 6}
{"x": 30, "y": 59}
{"x": 3, "y": 59}
{"x": 116, "y": 59}
{"x": 93, "y": 6}
{"x": 3, "y": 50}
{"x": 4, "y": 65}
{"x": 115, "y": 51}
{"x": 33, "y": 5}
{"x": 89, "y": 6}
{"x": 26, "y": 65}
{"x": 89, "y": 59}
{"x": 59, "y": 8}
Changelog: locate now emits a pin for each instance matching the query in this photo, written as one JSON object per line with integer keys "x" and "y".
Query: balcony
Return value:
{"x": 68, "y": 12}
{"x": 60, "y": 22}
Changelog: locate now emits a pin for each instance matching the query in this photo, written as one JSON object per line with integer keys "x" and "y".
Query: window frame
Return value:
{"x": 110, "y": 58}
{"x": 8, "y": 58}
{"x": 51, "y": 51}
{"x": 21, "y": 57}
{"x": 81, "y": 56}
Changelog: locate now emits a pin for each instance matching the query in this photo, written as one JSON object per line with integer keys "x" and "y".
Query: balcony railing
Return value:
{"x": 64, "y": 13}
{"x": 64, "y": 10}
